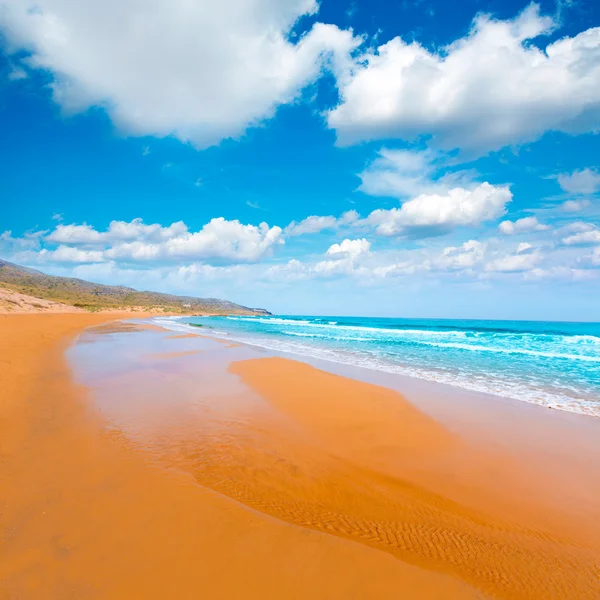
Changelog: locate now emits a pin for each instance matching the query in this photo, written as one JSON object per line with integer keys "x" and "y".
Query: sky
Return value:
{"x": 372, "y": 157}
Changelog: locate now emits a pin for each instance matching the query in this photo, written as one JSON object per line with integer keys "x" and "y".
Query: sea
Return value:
{"x": 552, "y": 364}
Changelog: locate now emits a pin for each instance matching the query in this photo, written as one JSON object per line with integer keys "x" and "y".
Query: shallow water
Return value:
{"x": 551, "y": 364}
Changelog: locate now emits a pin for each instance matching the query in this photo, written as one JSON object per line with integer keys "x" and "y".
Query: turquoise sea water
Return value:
{"x": 551, "y": 364}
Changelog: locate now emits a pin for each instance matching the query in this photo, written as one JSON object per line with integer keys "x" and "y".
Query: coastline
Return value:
{"x": 548, "y": 364}
{"x": 357, "y": 492}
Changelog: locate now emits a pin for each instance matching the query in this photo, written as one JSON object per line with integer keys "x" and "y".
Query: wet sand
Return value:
{"x": 84, "y": 514}
{"x": 191, "y": 468}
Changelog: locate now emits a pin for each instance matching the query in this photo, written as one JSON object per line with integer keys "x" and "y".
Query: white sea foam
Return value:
{"x": 582, "y": 339}
{"x": 318, "y": 322}
{"x": 513, "y": 350}
{"x": 342, "y": 327}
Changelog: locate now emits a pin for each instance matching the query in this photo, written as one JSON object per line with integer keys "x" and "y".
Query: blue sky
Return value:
{"x": 421, "y": 159}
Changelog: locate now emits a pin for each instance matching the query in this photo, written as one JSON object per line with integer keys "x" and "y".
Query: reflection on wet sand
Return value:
{"x": 344, "y": 458}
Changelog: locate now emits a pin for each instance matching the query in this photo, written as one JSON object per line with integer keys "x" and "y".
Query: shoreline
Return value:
{"x": 271, "y": 477}
{"x": 83, "y": 514}
{"x": 393, "y": 379}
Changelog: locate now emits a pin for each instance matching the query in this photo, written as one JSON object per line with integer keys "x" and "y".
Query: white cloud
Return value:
{"x": 228, "y": 240}
{"x": 514, "y": 263}
{"x": 466, "y": 256}
{"x": 349, "y": 248}
{"x": 349, "y": 218}
{"x": 573, "y": 206}
{"x": 586, "y": 181}
{"x": 29, "y": 241}
{"x": 290, "y": 271}
{"x": 198, "y": 71}
{"x": 577, "y": 227}
{"x": 398, "y": 173}
{"x": 525, "y": 225}
{"x": 432, "y": 214}
{"x": 316, "y": 224}
{"x": 195, "y": 270}
{"x": 75, "y": 234}
{"x": 410, "y": 173}
{"x": 68, "y": 254}
{"x": 218, "y": 241}
{"x": 583, "y": 238}
{"x": 312, "y": 224}
{"x": 341, "y": 259}
{"x": 118, "y": 231}
{"x": 487, "y": 90}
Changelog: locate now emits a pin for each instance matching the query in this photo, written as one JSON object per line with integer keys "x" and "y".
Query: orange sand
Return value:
{"x": 388, "y": 476}
{"x": 82, "y": 515}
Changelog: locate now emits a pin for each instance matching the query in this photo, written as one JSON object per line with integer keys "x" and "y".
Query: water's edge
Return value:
{"x": 545, "y": 370}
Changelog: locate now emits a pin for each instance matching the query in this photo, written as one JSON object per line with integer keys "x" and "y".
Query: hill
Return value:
{"x": 94, "y": 296}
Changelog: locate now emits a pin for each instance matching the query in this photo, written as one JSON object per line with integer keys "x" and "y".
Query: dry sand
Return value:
{"x": 342, "y": 490}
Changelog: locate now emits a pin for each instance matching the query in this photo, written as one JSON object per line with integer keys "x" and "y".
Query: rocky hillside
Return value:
{"x": 93, "y": 296}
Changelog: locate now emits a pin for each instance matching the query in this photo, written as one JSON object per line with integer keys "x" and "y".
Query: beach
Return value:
{"x": 143, "y": 462}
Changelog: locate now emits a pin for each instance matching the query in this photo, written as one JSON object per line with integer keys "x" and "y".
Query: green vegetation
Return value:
{"x": 94, "y": 297}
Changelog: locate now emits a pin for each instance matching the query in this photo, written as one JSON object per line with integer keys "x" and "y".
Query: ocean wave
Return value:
{"x": 275, "y": 320}
{"x": 497, "y": 340}
{"x": 304, "y": 334}
{"x": 475, "y": 329}
{"x": 344, "y": 327}
{"x": 582, "y": 339}
{"x": 497, "y": 349}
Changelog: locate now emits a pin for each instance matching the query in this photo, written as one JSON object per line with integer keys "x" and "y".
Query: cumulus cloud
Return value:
{"x": 587, "y": 237}
{"x": 118, "y": 231}
{"x": 195, "y": 70}
{"x": 398, "y": 173}
{"x": 434, "y": 214}
{"x": 340, "y": 259}
{"x": 218, "y": 241}
{"x": 349, "y": 248}
{"x": 29, "y": 241}
{"x": 312, "y": 224}
{"x": 514, "y": 263}
{"x": 409, "y": 173}
{"x": 68, "y": 254}
{"x": 487, "y": 90}
{"x": 586, "y": 181}
{"x": 465, "y": 256}
{"x": 289, "y": 271}
{"x": 525, "y": 225}
{"x": 494, "y": 258}
{"x": 316, "y": 224}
